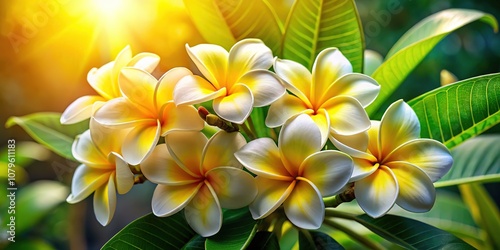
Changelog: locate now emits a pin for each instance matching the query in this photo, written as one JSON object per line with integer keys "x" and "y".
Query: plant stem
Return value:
{"x": 247, "y": 131}
{"x": 354, "y": 235}
{"x": 336, "y": 200}
{"x": 251, "y": 126}
{"x": 330, "y": 212}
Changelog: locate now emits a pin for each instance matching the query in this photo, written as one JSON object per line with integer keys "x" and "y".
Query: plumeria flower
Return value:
{"x": 295, "y": 173}
{"x": 332, "y": 95}
{"x": 105, "y": 81}
{"x": 147, "y": 107}
{"x": 102, "y": 171}
{"x": 398, "y": 167}
{"x": 200, "y": 176}
{"x": 236, "y": 81}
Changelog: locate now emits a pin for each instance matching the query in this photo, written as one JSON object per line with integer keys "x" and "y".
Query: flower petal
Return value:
{"x": 362, "y": 169}
{"x": 283, "y": 108}
{"x": 164, "y": 91}
{"x": 195, "y": 89}
{"x": 168, "y": 200}
{"x": 429, "y": 155}
{"x": 182, "y": 117}
{"x": 107, "y": 139}
{"x": 328, "y": 170}
{"x": 85, "y": 151}
{"x": 322, "y": 120}
{"x": 121, "y": 61}
{"x": 139, "y": 86}
{"x": 416, "y": 191}
{"x": 377, "y": 193}
{"x": 299, "y": 138}
{"x": 330, "y": 65}
{"x": 235, "y": 106}
{"x": 262, "y": 157}
{"x": 264, "y": 85}
{"x": 186, "y": 148}
{"x": 362, "y": 87}
{"x": 85, "y": 181}
{"x": 304, "y": 207}
{"x": 212, "y": 62}
{"x": 297, "y": 79}
{"x": 124, "y": 176}
{"x": 204, "y": 213}
{"x": 271, "y": 194}
{"x": 105, "y": 202}
{"x": 161, "y": 168}
{"x": 120, "y": 113}
{"x": 347, "y": 116}
{"x": 145, "y": 61}
{"x": 247, "y": 55}
{"x": 140, "y": 142}
{"x": 80, "y": 109}
{"x": 234, "y": 187}
{"x": 102, "y": 81}
{"x": 353, "y": 145}
{"x": 399, "y": 124}
{"x": 220, "y": 150}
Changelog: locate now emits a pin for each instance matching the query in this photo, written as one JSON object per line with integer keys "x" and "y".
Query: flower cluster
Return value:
{"x": 143, "y": 128}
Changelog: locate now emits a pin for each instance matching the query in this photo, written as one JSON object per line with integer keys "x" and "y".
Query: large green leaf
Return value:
{"x": 456, "y": 112}
{"x": 151, "y": 232}
{"x": 317, "y": 240}
{"x": 483, "y": 209}
{"x": 416, "y": 43}
{"x": 313, "y": 26}
{"x": 264, "y": 240}
{"x": 46, "y": 129}
{"x": 225, "y": 22}
{"x": 451, "y": 214}
{"x": 33, "y": 202}
{"x": 237, "y": 231}
{"x": 475, "y": 160}
{"x": 410, "y": 233}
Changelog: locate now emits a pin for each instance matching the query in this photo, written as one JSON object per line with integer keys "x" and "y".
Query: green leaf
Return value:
{"x": 33, "y": 202}
{"x": 151, "y": 232}
{"x": 224, "y": 22}
{"x": 264, "y": 240}
{"x": 317, "y": 240}
{"x": 475, "y": 160}
{"x": 313, "y": 26}
{"x": 46, "y": 129}
{"x": 483, "y": 209}
{"x": 37, "y": 244}
{"x": 416, "y": 43}
{"x": 198, "y": 242}
{"x": 372, "y": 61}
{"x": 456, "y": 112}
{"x": 451, "y": 214}
{"x": 411, "y": 234}
{"x": 237, "y": 231}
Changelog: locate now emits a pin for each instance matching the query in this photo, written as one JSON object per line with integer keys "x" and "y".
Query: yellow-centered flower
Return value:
{"x": 105, "y": 82}
{"x": 332, "y": 95}
{"x": 102, "y": 172}
{"x": 200, "y": 176}
{"x": 236, "y": 81}
{"x": 398, "y": 167}
{"x": 147, "y": 107}
{"x": 296, "y": 173}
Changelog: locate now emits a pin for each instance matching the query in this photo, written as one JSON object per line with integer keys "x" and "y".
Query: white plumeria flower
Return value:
{"x": 296, "y": 173}
{"x": 200, "y": 176}
{"x": 102, "y": 171}
{"x": 332, "y": 95}
{"x": 105, "y": 82}
{"x": 398, "y": 167}
{"x": 147, "y": 107}
{"x": 238, "y": 80}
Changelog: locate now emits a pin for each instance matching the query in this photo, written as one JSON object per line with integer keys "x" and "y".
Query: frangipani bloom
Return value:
{"x": 147, "y": 108}
{"x": 102, "y": 171}
{"x": 296, "y": 173}
{"x": 398, "y": 167}
{"x": 332, "y": 95}
{"x": 105, "y": 81}
{"x": 199, "y": 176}
{"x": 237, "y": 81}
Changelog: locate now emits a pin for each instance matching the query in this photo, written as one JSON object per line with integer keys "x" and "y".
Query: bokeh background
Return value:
{"x": 48, "y": 46}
